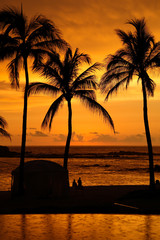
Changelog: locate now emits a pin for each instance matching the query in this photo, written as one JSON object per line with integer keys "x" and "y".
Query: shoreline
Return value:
{"x": 120, "y": 199}
{"x": 116, "y": 152}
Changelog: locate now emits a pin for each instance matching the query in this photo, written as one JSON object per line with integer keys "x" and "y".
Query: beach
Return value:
{"x": 91, "y": 199}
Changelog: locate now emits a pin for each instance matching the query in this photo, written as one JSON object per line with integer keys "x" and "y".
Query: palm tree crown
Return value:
{"x": 64, "y": 79}
{"x": 140, "y": 53}
{"x": 21, "y": 39}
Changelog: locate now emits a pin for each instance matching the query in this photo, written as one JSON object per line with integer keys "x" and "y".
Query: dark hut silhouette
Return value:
{"x": 42, "y": 178}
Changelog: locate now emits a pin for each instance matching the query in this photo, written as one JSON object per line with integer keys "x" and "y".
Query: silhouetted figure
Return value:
{"x": 74, "y": 184}
{"x": 79, "y": 183}
{"x": 157, "y": 185}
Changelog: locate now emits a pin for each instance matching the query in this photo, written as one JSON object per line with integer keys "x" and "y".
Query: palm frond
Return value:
{"x": 114, "y": 88}
{"x": 7, "y": 52}
{"x": 88, "y": 93}
{"x": 52, "y": 111}
{"x": 115, "y": 60}
{"x": 37, "y": 87}
{"x": 116, "y": 74}
{"x": 54, "y": 60}
{"x": 49, "y": 28}
{"x": 50, "y": 73}
{"x": 32, "y": 25}
{"x": 3, "y": 125}
{"x": 96, "y": 107}
{"x": 88, "y": 82}
{"x": 68, "y": 56}
{"x": 149, "y": 84}
{"x": 13, "y": 68}
{"x": 8, "y": 46}
{"x": 153, "y": 58}
{"x": 13, "y": 21}
{"x": 126, "y": 38}
{"x": 79, "y": 58}
{"x": 55, "y": 43}
{"x": 43, "y": 28}
{"x": 108, "y": 77}
{"x": 3, "y": 122}
{"x": 154, "y": 62}
{"x": 88, "y": 71}
{"x": 5, "y": 133}
{"x": 9, "y": 17}
{"x": 38, "y": 56}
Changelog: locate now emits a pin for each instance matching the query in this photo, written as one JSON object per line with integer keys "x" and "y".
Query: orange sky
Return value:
{"x": 88, "y": 25}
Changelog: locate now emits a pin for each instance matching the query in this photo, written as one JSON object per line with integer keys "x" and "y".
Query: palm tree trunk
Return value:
{"x": 69, "y": 135}
{"x": 24, "y": 127}
{"x": 148, "y": 137}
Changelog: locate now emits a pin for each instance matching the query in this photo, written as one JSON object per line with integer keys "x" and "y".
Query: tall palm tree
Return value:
{"x": 3, "y": 125}
{"x": 64, "y": 80}
{"x": 24, "y": 39}
{"x": 139, "y": 54}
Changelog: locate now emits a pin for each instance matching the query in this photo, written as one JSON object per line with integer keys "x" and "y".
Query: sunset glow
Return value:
{"x": 88, "y": 25}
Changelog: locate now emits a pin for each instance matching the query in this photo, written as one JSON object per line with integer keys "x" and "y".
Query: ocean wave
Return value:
{"x": 95, "y": 165}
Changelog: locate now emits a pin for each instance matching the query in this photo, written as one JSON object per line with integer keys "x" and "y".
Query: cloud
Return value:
{"x": 59, "y": 138}
{"x": 106, "y": 138}
{"x": 77, "y": 137}
{"x": 117, "y": 132}
{"x": 62, "y": 137}
{"x": 103, "y": 138}
{"x": 38, "y": 134}
{"x": 139, "y": 138}
{"x": 156, "y": 139}
{"x": 5, "y": 85}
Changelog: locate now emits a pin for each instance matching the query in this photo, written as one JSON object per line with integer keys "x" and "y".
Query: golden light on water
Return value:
{"x": 79, "y": 226}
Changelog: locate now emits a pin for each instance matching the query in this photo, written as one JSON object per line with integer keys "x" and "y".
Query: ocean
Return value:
{"x": 98, "y": 165}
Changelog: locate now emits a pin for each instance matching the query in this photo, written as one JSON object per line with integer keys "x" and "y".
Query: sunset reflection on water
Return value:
{"x": 79, "y": 226}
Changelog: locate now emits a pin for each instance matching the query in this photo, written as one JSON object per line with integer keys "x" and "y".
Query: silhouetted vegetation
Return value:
{"x": 23, "y": 39}
{"x": 65, "y": 80}
{"x": 3, "y": 125}
{"x": 139, "y": 54}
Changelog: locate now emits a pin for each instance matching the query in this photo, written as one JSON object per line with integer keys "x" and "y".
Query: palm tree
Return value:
{"x": 64, "y": 80}
{"x": 3, "y": 125}
{"x": 23, "y": 39}
{"x": 139, "y": 54}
